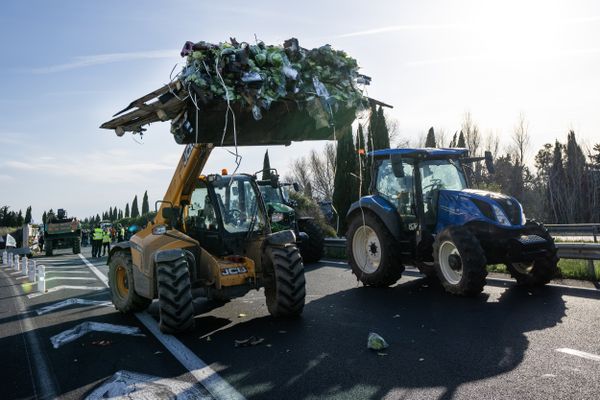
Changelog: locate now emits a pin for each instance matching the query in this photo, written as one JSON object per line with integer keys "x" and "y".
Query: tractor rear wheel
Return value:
{"x": 311, "y": 250}
{"x": 459, "y": 261}
{"x": 175, "y": 296}
{"x": 120, "y": 281}
{"x": 373, "y": 253}
{"x": 76, "y": 246}
{"x": 48, "y": 248}
{"x": 541, "y": 270}
{"x": 285, "y": 285}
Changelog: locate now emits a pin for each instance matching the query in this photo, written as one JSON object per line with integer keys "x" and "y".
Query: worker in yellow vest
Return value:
{"x": 96, "y": 241}
{"x": 106, "y": 242}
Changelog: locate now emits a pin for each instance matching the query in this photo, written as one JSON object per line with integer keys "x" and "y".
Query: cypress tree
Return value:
{"x": 430, "y": 141}
{"x": 20, "y": 219}
{"x": 28, "y": 215}
{"x": 127, "y": 210}
{"x": 266, "y": 174}
{"x": 135, "y": 212}
{"x": 379, "y": 130}
{"x": 345, "y": 183}
{"x": 120, "y": 214}
{"x": 44, "y": 216}
{"x": 461, "y": 140}
{"x": 145, "y": 206}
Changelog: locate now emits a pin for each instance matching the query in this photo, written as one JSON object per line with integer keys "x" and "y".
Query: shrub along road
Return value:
{"x": 509, "y": 342}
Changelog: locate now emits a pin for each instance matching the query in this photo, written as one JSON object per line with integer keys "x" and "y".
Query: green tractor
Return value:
{"x": 281, "y": 211}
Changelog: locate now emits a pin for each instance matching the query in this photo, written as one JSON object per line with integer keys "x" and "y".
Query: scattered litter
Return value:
{"x": 158, "y": 352}
{"x": 208, "y": 339}
{"x": 396, "y": 316}
{"x": 382, "y": 354}
{"x": 251, "y": 341}
{"x": 102, "y": 343}
{"x": 68, "y": 302}
{"x": 127, "y": 385}
{"x": 421, "y": 359}
{"x": 282, "y": 331}
{"x": 241, "y": 315}
{"x": 85, "y": 327}
{"x": 376, "y": 342}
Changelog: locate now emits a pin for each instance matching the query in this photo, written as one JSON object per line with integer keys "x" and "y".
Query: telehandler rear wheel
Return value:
{"x": 372, "y": 252}
{"x": 76, "y": 246}
{"x": 285, "y": 289}
{"x": 459, "y": 261}
{"x": 120, "y": 281}
{"x": 175, "y": 296}
{"x": 542, "y": 270}
{"x": 311, "y": 250}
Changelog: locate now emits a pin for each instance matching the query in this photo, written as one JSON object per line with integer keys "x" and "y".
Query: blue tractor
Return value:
{"x": 421, "y": 212}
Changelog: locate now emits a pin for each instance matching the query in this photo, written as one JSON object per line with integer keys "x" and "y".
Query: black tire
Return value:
{"x": 285, "y": 285}
{"x": 313, "y": 249}
{"x": 48, "y": 247}
{"x": 175, "y": 296}
{"x": 389, "y": 268}
{"x": 76, "y": 246}
{"x": 130, "y": 301}
{"x": 470, "y": 258}
{"x": 543, "y": 269}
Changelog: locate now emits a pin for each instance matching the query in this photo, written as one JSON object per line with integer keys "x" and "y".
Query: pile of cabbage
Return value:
{"x": 256, "y": 75}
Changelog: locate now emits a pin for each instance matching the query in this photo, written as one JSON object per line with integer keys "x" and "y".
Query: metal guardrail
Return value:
{"x": 575, "y": 230}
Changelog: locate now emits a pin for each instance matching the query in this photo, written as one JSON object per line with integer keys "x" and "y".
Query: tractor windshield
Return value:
{"x": 271, "y": 194}
{"x": 237, "y": 199}
{"x": 441, "y": 174}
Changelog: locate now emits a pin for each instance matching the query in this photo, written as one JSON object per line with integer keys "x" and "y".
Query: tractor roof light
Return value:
{"x": 500, "y": 215}
{"x": 224, "y": 172}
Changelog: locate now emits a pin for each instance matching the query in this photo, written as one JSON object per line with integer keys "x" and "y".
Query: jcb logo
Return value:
{"x": 187, "y": 152}
{"x": 233, "y": 271}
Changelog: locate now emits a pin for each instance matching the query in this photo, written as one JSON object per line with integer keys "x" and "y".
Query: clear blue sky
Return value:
{"x": 67, "y": 66}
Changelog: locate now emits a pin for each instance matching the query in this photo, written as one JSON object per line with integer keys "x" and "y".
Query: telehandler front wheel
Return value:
{"x": 541, "y": 270}
{"x": 285, "y": 289}
{"x": 120, "y": 281}
{"x": 312, "y": 250}
{"x": 459, "y": 261}
{"x": 175, "y": 296}
{"x": 372, "y": 252}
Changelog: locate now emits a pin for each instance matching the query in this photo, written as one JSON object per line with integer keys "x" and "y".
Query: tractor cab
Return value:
{"x": 224, "y": 212}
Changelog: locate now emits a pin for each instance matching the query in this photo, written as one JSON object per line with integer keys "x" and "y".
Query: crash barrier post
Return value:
{"x": 32, "y": 270}
{"x": 41, "y": 279}
{"x": 10, "y": 261}
{"x": 4, "y": 258}
{"x": 25, "y": 270}
{"x": 17, "y": 263}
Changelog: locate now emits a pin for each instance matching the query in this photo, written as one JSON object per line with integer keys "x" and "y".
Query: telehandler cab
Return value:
{"x": 421, "y": 212}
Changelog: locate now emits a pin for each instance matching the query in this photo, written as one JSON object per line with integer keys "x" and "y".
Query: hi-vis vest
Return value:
{"x": 106, "y": 237}
{"x": 98, "y": 234}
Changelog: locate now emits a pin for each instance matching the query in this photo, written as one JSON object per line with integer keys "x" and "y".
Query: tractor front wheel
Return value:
{"x": 285, "y": 285}
{"x": 311, "y": 250}
{"x": 373, "y": 253}
{"x": 460, "y": 262}
{"x": 120, "y": 281}
{"x": 541, "y": 270}
{"x": 176, "y": 309}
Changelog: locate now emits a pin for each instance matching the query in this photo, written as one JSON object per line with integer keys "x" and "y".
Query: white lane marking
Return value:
{"x": 43, "y": 384}
{"x": 579, "y": 353}
{"x": 68, "y": 302}
{"x": 64, "y": 287}
{"x": 70, "y": 278}
{"x": 86, "y": 272}
{"x": 204, "y": 374}
{"x": 95, "y": 270}
{"x": 78, "y": 331}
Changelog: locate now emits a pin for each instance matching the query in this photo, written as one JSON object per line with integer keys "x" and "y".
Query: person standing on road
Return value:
{"x": 97, "y": 242}
{"x": 106, "y": 242}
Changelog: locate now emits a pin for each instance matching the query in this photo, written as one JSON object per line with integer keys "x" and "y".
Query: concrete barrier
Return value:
{"x": 32, "y": 271}
{"x": 41, "y": 279}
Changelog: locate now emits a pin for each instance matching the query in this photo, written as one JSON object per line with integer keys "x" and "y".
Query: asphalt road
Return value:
{"x": 507, "y": 343}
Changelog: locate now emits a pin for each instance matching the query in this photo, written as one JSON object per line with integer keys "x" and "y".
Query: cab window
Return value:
{"x": 397, "y": 190}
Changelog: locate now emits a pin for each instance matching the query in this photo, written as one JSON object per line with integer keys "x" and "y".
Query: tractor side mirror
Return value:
{"x": 489, "y": 162}
{"x": 296, "y": 186}
{"x": 274, "y": 181}
{"x": 397, "y": 165}
{"x": 171, "y": 214}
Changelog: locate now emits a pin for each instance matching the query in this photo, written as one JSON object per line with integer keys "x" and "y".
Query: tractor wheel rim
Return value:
{"x": 448, "y": 258}
{"x": 523, "y": 268}
{"x": 366, "y": 249}
{"x": 122, "y": 283}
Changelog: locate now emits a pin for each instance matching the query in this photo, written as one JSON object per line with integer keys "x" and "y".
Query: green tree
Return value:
{"x": 120, "y": 214}
{"x": 28, "y": 215}
{"x": 135, "y": 212}
{"x": 345, "y": 183}
{"x": 145, "y": 205}
{"x": 127, "y": 210}
{"x": 44, "y": 216}
{"x": 430, "y": 141}
{"x": 361, "y": 151}
{"x": 20, "y": 220}
{"x": 380, "y": 138}
{"x": 266, "y": 173}
{"x": 461, "y": 140}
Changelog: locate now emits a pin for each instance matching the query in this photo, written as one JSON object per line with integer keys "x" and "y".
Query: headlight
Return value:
{"x": 500, "y": 216}
{"x": 159, "y": 230}
{"x": 277, "y": 217}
